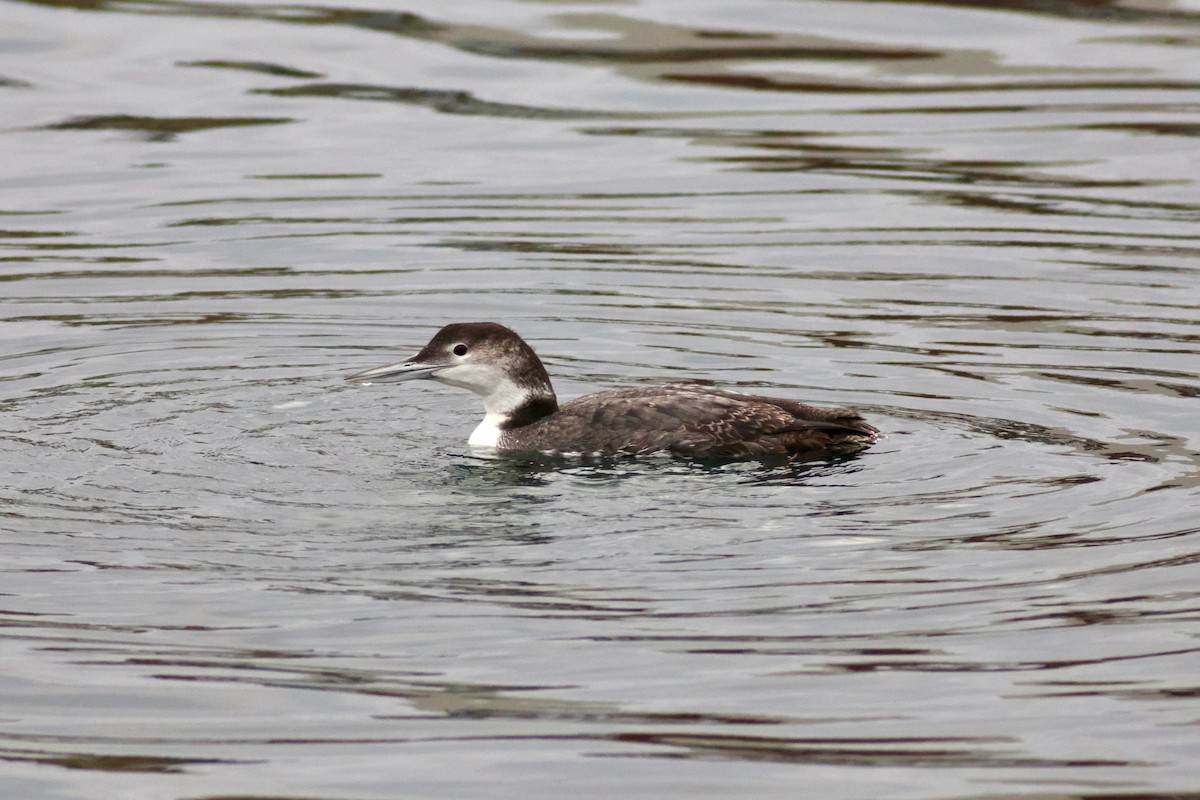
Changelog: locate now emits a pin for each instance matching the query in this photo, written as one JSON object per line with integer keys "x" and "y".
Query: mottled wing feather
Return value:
{"x": 700, "y": 422}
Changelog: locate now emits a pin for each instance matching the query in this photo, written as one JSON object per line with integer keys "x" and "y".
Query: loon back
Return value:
{"x": 691, "y": 421}
{"x": 522, "y": 412}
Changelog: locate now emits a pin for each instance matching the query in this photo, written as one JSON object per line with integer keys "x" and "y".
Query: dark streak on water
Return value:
{"x": 224, "y": 573}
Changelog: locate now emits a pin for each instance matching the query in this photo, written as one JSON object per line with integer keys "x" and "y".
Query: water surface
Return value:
{"x": 227, "y": 573}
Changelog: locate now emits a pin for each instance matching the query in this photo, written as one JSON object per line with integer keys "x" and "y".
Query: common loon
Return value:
{"x": 522, "y": 412}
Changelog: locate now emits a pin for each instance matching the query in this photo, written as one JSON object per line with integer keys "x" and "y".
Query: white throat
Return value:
{"x": 500, "y": 394}
{"x": 501, "y": 397}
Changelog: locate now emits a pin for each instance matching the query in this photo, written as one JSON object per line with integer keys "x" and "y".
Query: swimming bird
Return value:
{"x": 522, "y": 412}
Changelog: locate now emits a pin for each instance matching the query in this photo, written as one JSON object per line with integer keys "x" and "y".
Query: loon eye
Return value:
{"x": 460, "y": 349}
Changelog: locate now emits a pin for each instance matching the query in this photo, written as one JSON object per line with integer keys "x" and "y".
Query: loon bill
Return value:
{"x": 523, "y": 414}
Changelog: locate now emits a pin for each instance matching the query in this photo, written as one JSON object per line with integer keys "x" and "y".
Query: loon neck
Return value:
{"x": 534, "y": 408}
{"x": 515, "y": 399}
{"x": 495, "y": 423}
{"x": 510, "y": 405}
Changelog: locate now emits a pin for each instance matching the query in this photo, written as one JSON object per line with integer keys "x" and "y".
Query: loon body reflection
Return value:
{"x": 523, "y": 414}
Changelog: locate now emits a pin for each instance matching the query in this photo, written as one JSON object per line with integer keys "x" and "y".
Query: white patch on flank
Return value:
{"x": 487, "y": 433}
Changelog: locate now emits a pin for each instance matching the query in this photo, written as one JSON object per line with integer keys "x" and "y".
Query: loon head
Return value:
{"x": 489, "y": 359}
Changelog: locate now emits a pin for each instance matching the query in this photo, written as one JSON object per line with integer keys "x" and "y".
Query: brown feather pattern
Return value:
{"x": 691, "y": 421}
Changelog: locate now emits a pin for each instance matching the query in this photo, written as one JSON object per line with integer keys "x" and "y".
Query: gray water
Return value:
{"x": 227, "y": 573}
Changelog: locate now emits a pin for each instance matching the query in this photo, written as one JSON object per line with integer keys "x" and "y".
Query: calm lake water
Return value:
{"x": 227, "y": 573}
